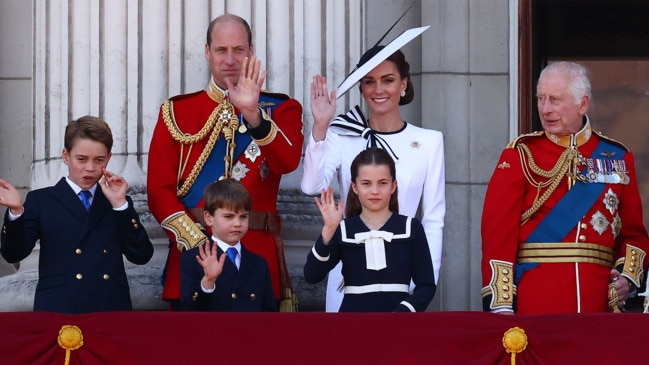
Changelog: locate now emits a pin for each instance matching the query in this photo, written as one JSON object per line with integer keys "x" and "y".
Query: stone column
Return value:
{"x": 120, "y": 60}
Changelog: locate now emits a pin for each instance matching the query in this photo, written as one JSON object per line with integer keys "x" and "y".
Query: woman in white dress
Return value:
{"x": 418, "y": 152}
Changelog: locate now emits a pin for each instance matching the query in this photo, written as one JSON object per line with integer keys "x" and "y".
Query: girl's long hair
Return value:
{"x": 370, "y": 156}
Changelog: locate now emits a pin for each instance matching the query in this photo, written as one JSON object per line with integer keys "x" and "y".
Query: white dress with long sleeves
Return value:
{"x": 420, "y": 177}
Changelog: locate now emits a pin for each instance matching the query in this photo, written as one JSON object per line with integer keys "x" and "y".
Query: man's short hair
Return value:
{"x": 225, "y": 18}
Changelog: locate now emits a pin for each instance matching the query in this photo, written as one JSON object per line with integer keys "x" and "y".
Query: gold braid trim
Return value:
{"x": 613, "y": 298}
{"x": 222, "y": 115}
{"x": 554, "y": 176}
{"x": 178, "y": 135}
{"x": 271, "y": 134}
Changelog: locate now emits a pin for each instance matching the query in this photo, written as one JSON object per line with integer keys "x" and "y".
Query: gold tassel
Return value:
{"x": 612, "y": 298}
{"x": 70, "y": 338}
{"x": 288, "y": 302}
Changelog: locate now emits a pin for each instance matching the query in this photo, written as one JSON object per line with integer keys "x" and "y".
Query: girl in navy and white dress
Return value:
{"x": 418, "y": 152}
{"x": 381, "y": 251}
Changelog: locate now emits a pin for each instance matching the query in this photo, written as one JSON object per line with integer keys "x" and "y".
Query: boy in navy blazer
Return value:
{"x": 84, "y": 223}
{"x": 212, "y": 280}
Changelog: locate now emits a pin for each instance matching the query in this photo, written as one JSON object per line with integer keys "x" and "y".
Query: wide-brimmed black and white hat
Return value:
{"x": 377, "y": 54}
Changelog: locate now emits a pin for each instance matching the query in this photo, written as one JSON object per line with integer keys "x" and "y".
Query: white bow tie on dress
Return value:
{"x": 374, "y": 247}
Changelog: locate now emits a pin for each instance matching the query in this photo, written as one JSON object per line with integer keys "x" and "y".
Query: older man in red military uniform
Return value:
{"x": 230, "y": 130}
{"x": 562, "y": 227}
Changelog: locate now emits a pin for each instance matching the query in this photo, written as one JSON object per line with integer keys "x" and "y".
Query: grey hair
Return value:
{"x": 579, "y": 82}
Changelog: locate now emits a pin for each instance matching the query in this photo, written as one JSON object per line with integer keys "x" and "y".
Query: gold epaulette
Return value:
{"x": 516, "y": 140}
{"x": 188, "y": 234}
{"x": 609, "y": 139}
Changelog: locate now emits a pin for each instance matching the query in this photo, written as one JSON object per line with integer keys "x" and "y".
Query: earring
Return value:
{"x": 403, "y": 93}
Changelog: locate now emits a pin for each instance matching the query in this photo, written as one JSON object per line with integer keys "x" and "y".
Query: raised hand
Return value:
{"x": 212, "y": 265}
{"x": 10, "y": 197}
{"x": 245, "y": 94}
{"x": 331, "y": 212}
{"x": 323, "y": 107}
{"x": 114, "y": 188}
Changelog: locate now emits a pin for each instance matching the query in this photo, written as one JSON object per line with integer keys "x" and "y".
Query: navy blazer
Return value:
{"x": 248, "y": 289}
{"x": 80, "y": 267}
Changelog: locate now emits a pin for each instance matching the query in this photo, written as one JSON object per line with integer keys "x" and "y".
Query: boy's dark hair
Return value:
{"x": 370, "y": 156}
{"x": 88, "y": 127}
{"x": 228, "y": 194}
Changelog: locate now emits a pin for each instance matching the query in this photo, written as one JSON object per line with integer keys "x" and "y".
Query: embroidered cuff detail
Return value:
{"x": 633, "y": 264}
{"x": 501, "y": 287}
{"x": 188, "y": 234}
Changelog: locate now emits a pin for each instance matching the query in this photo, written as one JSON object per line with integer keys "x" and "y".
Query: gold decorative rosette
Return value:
{"x": 70, "y": 338}
{"x": 515, "y": 341}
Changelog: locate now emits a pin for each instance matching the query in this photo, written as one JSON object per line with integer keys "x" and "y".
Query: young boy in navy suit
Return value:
{"x": 85, "y": 223}
{"x": 221, "y": 275}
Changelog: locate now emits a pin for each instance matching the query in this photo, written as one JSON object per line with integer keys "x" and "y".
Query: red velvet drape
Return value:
{"x": 320, "y": 338}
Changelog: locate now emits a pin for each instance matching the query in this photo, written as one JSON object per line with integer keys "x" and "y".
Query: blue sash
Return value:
{"x": 214, "y": 167}
{"x": 574, "y": 204}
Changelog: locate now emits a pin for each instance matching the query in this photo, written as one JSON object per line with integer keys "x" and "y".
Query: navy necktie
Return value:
{"x": 85, "y": 198}
{"x": 232, "y": 255}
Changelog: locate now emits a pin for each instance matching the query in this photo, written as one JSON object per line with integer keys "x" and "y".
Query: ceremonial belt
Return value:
{"x": 257, "y": 220}
{"x": 565, "y": 252}
{"x": 374, "y": 288}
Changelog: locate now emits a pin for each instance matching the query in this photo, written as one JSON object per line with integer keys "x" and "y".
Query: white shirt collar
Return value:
{"x": 76, "y": 188}
{"x": 224, "y": 246}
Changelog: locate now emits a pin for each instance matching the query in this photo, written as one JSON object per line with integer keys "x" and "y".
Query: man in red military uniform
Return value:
{"x": 562, "y": 227}
{"x": 230, "y": 130}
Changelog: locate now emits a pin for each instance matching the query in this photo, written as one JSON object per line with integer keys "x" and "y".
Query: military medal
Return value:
{"x": 263, "y": 169}
{"x": 611, "y": 201}
{"x": 616, "y": 226}
{"x": 239, "y": 171}
{"x": 606, "y": 171}
{"x": 242, "y": 126}
{"x": 252, "y": 151}
{"x": 599, "y": 222}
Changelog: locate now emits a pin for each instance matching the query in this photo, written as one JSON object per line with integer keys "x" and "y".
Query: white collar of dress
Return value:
{"x": 354, "y": 123}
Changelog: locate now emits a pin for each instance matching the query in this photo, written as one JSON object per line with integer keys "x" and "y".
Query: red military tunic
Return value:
{"x": 275, "y": 149}
{"x": 571, "y": 274}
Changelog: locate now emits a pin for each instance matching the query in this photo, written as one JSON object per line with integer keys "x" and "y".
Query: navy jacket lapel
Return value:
{"x": 229, "y": 269}
{"x": 245, "y": 269}
{"x": 66, "y": 197}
